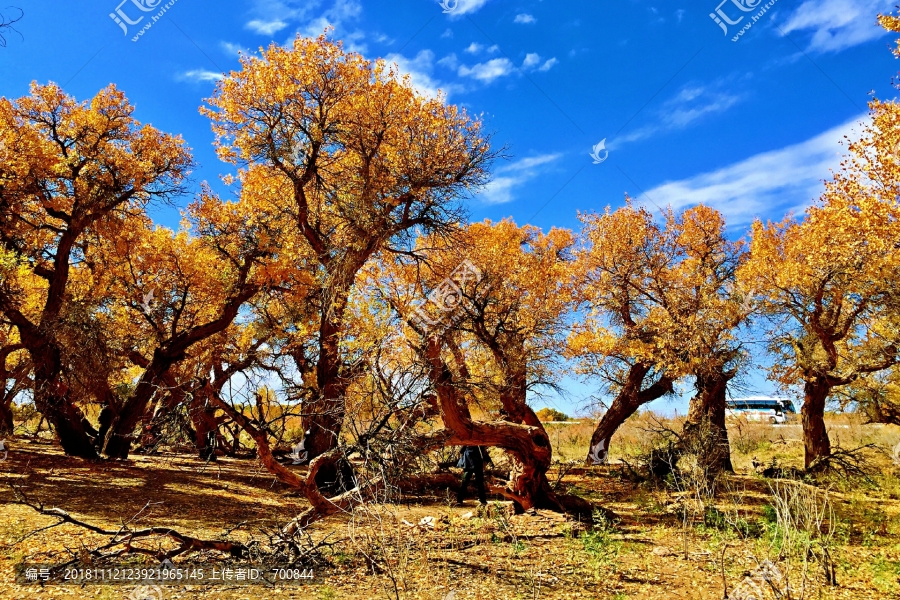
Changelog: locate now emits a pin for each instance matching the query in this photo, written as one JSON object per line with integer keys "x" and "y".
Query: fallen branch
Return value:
{"x": 122, "y": 539}
{"x": 848, "y": 463}
{"x": 321, "y": 505}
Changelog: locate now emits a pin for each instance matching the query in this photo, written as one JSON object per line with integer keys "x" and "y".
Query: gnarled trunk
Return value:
{"x": 18, "y": 377}
{"x": 68, "y": 422}
{"x": 323, "y": 419}
{"x": 627, "y": 401}
{"x": 815, "y": 437}
{"x": 528, "y": 477}
{"x": 6, "y": 416}
{"x": 514, "y": 393}
{"x": 323, "y": 416}
{"x": 529, "y": 445}
{"x": 51, "y": 399}
{"x": 704, "y": 431}
{"x": 205, "y": 425}
{"x": 120, "y": 436}
{"x": 121, "y": 432}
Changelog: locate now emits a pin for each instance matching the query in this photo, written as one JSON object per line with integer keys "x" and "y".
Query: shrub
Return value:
{"x": 551, "y": 414}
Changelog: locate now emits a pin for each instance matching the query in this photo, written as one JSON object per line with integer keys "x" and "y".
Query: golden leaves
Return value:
{"x": 664, "y": 295}
{"x": 833, "y": 274}
{"x": 352, "y": 148}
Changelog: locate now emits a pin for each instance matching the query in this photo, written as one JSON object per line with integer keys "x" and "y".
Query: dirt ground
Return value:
{"x": 667, "y": 540}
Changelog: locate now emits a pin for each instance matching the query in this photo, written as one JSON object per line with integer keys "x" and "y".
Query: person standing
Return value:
{"x": 471, "y": 461}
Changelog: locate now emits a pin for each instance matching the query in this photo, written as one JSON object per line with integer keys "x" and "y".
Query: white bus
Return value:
{"x": 761, "y": 408}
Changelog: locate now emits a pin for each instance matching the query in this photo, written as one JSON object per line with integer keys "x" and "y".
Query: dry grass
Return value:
{"x": 491, "y": 554}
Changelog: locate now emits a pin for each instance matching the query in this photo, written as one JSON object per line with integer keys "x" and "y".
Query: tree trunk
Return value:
{"x": 118, "y": 441}
{"x": 165, "y": 405}
{"x": 704, "y": 433}
{"x": 18, "y": 378}
{"x": 50, "y": 393}
{"x": 815, "y": 436}
{"x": 528, "y": 477}
{"x": 6, "y": 416}
{"x": 205, "y": 425}
{"x": 529, "y": 445}
{"x": 627, "y": 401}
{"x": 121, "y": 432}
{"x": 323, "y": 417}
{"x": 67, "y": 422}
{"x": 50, "y": 398}
{"x": 514, "y": 393}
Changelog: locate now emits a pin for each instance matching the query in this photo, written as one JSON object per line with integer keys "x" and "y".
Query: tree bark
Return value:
{"x": 815, "y": 436}
{"x": 164, "y": 406}
{"x": 704, "y": 431}
{"x": 205, "y": 424}
{"x": 528, "y": 477}
{"x": 529, "y": 445}
{"x": 323, "y": 416}
{"x": 119, "y": 438}
{"x": 627, "y": 401}
{"x": 51, "y": 399}
{"x": 514, "y": 393}
{"x": 50, "y": 393}
{"x": 6, "y": 416}
{"x": 18, "y": 377}
{"x": 121, "y": 432}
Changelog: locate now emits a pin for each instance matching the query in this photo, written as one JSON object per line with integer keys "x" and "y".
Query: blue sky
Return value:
{"x": 750, "y": 127}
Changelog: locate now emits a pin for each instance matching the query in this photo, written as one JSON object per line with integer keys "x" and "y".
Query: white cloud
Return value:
{"x": 681, "y": 113}
{"x": 475, "y": 48}
{"x": 548, "y": 65}
{"x": 508, "y": 177}
{"x": 345, "y": 9}
{"x": 767, "y": 185}
{"x": 447, "y": 34}
{"x": 197, "y": 75}
{"x": 450, "y": 61}
{"x": 315, "y": 27}
{"x": 690, "y": 104}
{"x": 531, "y": 59}
{"x": 230, "y": 48}
{"x": 526, "y": 164}
{"x": 266, "y": 27}
{"x": 336, "y": 16}
{"x": 420, "y": 70}
{"x": 488, "y": 71}
{"x": 524, "y": 19}
{"x": 309, "y": 18}
{"x": 838, "y": 24}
